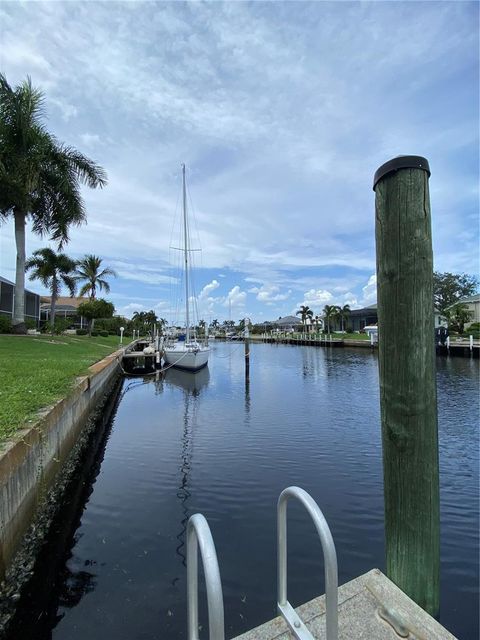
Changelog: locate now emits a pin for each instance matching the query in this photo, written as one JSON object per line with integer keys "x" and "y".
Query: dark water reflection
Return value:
{"x": 209, "y": 444}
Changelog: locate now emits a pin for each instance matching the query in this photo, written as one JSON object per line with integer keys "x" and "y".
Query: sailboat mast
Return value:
{"x": 187, "y": 337}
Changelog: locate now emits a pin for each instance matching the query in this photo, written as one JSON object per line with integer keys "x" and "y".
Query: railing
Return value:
{"x": 199, "y": 535}
{"x": 330, "y": 558}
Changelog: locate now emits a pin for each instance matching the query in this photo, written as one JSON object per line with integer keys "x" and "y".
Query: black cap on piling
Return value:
{"x": 400, "y": 162}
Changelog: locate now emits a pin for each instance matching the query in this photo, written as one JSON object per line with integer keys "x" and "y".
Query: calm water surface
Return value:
{"x": 207, "y": 443}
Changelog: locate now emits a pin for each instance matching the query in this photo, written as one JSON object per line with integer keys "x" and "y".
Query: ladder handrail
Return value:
{"x": 199, "y": 535}
{"x": 330, "y": 559}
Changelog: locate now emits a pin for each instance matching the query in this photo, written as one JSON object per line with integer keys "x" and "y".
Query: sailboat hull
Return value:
{"x": 186, "y": 359}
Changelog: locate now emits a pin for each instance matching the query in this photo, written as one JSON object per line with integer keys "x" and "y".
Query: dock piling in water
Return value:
{"x": 408, "y": 397}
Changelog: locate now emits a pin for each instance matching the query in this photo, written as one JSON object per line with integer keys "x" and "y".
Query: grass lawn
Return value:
{"x": 35, "y": 371}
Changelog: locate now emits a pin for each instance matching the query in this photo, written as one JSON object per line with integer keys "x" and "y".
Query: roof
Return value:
{"x": 67, "y": 301}
{"x": 287, "y": 320}
{"x": 469, "y": 299}
{"x": 5, "y": 281}
{"x": 466, "y": 300}
{"x": 58, "y": 307}
{"x": 372, "y": 309}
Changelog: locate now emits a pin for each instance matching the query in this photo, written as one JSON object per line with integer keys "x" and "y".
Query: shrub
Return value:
{"x": 30, "y": 324}
{"x": 94, "y": 334}
{"x": 61, "y": 324}
{"x": 5, "y": 324}
{"x": 103, "y": 333}
{"x": 473, "y": 330}
{"x": 82, "y": 332}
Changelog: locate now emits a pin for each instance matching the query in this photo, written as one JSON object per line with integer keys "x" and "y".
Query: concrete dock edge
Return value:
{"x": 30, "y": 462}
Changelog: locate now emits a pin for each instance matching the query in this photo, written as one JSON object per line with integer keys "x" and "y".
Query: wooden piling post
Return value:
{"x": 408, "y": 396}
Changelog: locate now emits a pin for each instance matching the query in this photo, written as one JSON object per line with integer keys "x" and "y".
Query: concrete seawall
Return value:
{"x": 29, "y": 465}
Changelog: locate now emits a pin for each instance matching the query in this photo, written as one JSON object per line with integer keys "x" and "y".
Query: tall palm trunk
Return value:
{"x": 53, "y": 304}
{"x": 18, "y": 321}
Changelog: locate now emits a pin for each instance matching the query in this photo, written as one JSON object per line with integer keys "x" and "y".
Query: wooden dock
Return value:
{"x": 135, "y": 361}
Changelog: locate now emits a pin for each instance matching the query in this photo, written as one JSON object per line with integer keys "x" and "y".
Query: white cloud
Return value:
{"x": 236, "y": 298}
{"x": 269, "y": 293}
{"x": 141, "y": 273}
{"x": 370, "y": 291}
{"x": 350, "y": 299}
{"x": 212, "y": 84}
{"x": 316, "y": 298}
{"x": 90, "y": 139}
{"x": 207, "y": 289}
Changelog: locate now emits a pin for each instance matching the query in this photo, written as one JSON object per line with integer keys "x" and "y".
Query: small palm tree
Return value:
{"x": 39, "y": 178}
{"x": 89, "y": 269}
{"x": 53, "y": 270}
{"x": 330, "y": 312}
{"x": 305, "y": 312}
{"x": 343, "y": 313}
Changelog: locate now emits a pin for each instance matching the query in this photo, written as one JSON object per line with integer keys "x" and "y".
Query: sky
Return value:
{"x": 281, "y": 111}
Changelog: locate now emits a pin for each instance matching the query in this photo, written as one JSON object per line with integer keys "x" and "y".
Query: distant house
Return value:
{"x": 473, "y": 305}
{"x": 66, "y": 308}
{"x": 288, "y": 323}
{"x": 7, "y": 295}
{"x": 358, "y": 319}
{"x": 439, "y": 320}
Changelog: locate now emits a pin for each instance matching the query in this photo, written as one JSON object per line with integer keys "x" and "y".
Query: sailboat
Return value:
{"x": 187, "y": 352}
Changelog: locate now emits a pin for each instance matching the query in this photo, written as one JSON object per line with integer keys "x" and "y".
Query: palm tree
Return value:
{"x": 162, "y": 322}
{"x": 53, "y": 270}
{"x": 343, "y": 313}
{"x": 39, "y": 178}
{"x": 89, "y": 269}
{"x": 305, "y": 312}
{"x": 317, "y": 320}
{"x": 330, "y": 312}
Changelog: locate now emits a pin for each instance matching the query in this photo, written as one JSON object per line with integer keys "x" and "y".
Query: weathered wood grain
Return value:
{"x": 407, "y": 384}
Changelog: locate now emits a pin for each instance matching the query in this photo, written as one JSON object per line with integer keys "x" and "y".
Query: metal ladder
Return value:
{"x": 199, "y": 535}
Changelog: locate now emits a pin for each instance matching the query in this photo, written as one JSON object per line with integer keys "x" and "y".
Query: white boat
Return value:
{"x": 187, "y": 352}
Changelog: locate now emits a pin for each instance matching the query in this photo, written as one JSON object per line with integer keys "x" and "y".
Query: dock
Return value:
{"x": 135, "y": 361}
{"x": 459, "y": 347}
{"x": 370, "y": 607}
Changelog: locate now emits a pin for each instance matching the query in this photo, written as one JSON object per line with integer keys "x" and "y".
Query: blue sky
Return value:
{"x": 282, "y": 112}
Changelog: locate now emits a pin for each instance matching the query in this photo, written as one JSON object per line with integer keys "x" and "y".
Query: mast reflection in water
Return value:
{"x": 191, "y": 384}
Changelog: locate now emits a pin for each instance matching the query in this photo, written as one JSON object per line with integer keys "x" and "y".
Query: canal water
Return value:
{"x": 209, "y": 443}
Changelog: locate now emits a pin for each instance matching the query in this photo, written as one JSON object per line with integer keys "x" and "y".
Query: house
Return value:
{"x": 7, "y": 295}
{"x": 472, "y": 303}
{"x": 66, "y": 308}
{"x": 439, "y": 320}
{"x": 358, "y": 319}
{"x": 287, "y": 323}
